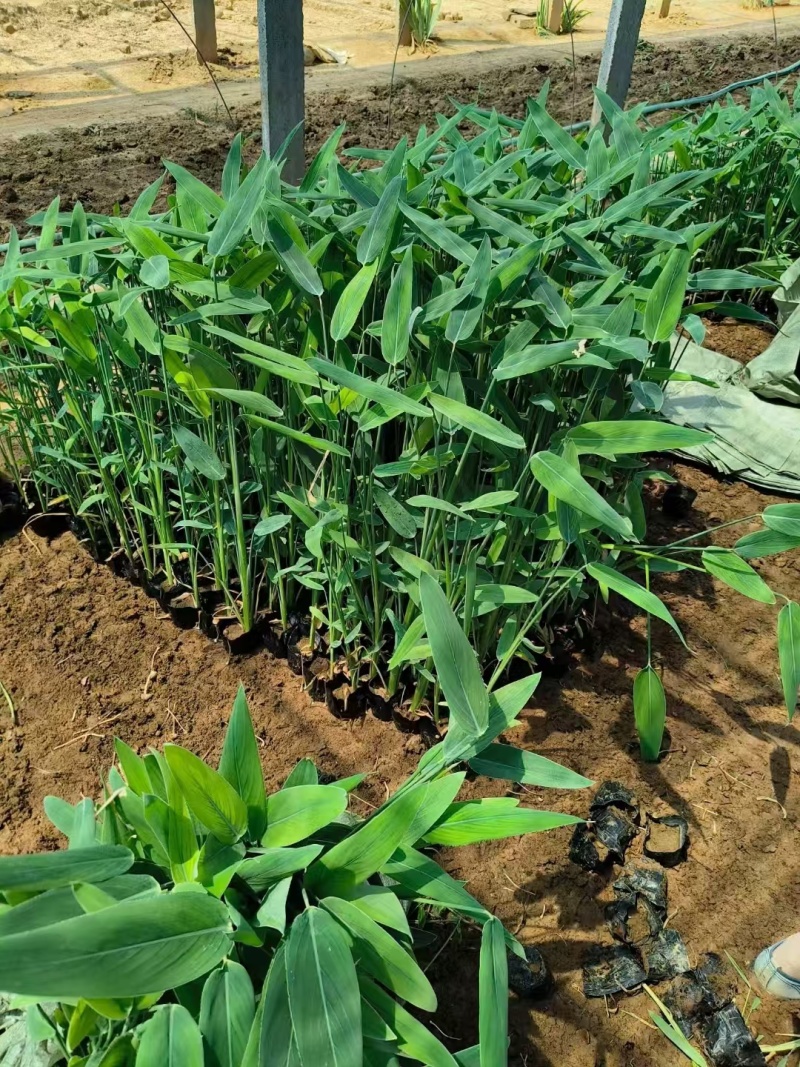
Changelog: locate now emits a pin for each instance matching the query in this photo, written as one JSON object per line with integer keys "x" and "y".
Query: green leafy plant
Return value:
{"x": 450, "y": 364}
{"x": 194, "y": 919}
{"x": 422, "y": 16}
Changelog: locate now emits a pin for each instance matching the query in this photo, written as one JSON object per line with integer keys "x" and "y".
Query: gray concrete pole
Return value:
{"x": 280, "y": 53}
{"x": 616, "y": 66}
{"x": 205, "y": 30}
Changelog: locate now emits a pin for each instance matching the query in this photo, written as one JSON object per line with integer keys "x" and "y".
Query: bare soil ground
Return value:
{"x": 55, "y": 53}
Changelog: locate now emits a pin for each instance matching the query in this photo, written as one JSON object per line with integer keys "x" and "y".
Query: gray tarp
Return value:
{"x": 754, "y": 413}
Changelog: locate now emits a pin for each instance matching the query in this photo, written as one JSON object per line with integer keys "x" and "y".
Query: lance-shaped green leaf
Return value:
{"x": 475, "y": 421}
{"x": 200, "y": 455}
{"x": 650, "y": 712}
{"x": 456, "y": 666}
{"x": 469, "y": 821}
{"x": 731, "y": 569}
{"x": 274, "y": 864}
{"x": 136, "y": 947}
{"x": 211, "y": 799}
{"x": 276, "y": 1046}
{"x": 350, "y": 303}
{"x": 373, "y": 391}
{"x": 493, "y": 1001}
{"x": 240, "y": 763}
{"x": 783, "y": 518}
{"x": 663, "y": 309}
{"x": 227, "y": 1009}
{"x": 294, "y": 259}
{"x": 413, "y": 1039}
{"x": 378, "y": 230}
{"x": 324, "y": 998}
{"x": 234, "y": 222}
{"x": 381, "y": 956}
{"x": 560, "y": 478}
{"x": 634, "y": 592}
{"x": 630, "y": 436}
{"x": 527, "y": 768}
{"x": 465, "y": 317}
{"x": 395, "y": 335}
{"x": 171, "y": 1038}
{"x": 789, "y": 654}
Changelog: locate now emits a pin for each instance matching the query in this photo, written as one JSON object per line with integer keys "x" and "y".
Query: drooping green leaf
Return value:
{"x": 560, "y": 478}
{"x": 783, "y": 518}
{"x": 238, "y": 213}
{"x": 630, "y": 436}
{"x": 634, "y": 592}
{"x": 381, "y": 956}
{"x": 413, "y": 1039}
{"x": 731, "y": 569}
{"x": 765, "y": 543}
{"x": 274, "y": 864}
{"x": 474, "y": 421}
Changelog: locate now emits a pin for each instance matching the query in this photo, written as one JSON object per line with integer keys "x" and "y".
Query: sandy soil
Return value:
{"x": 54, "y": 53}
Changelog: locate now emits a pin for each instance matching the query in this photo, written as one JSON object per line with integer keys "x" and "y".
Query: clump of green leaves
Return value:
{"x": 448, "y": 364}
{"x": 194, "y": 919}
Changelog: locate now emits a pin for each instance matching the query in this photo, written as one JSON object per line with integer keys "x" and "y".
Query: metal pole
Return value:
{"x": 556, "y": 15}
{"x": 205, "y": 30}
{"x": 280, "y": 54}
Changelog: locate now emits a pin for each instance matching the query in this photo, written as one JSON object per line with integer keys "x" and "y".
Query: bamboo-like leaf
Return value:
{"x": 789, "y": 653}
{"x": 631, "y": 436}
{"x": 297, "y": 264}
{"x": 201, "y": 456}
{"x": 469, "y": 821}
{"x": 634, "y": 592}
{"x": 373, "y": 391}
{"x": 211, "y": 799}
{"x": 474, "y": 421}
{"x": 240, "y": 763}
{"x": 561, "y": 479}
{"x": 456, "y": 666}
{"x": 379, "y": 228}
{"x": 381, "y": 956}
{"x": 650, "y": 711}
{"x": 227, "y": 1009}
{"x": 324, "y": 998}
{"x": 136, "y": 947}
{"x": 765, "y": 543}
{"x": 663, "y": 309}
{"x": 274, "y": 864}
{"x": 394, "y": 513}
{"x": 397, "y": 311}
{"x": 731, "y": 569}
{"x": 413, "y": 1039}
{"x": 527, "y": 768}
{"x": 350, "y": 303}
{"x": 783, "y": 518}
{"x": 493, "y": 1002}
{"x": 295, "y": 814}
{"x": 250, "y": 400}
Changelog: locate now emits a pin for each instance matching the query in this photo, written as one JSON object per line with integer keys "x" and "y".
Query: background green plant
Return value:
{"x": 450, "y": 364}
{"x": 195, "y": 920}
